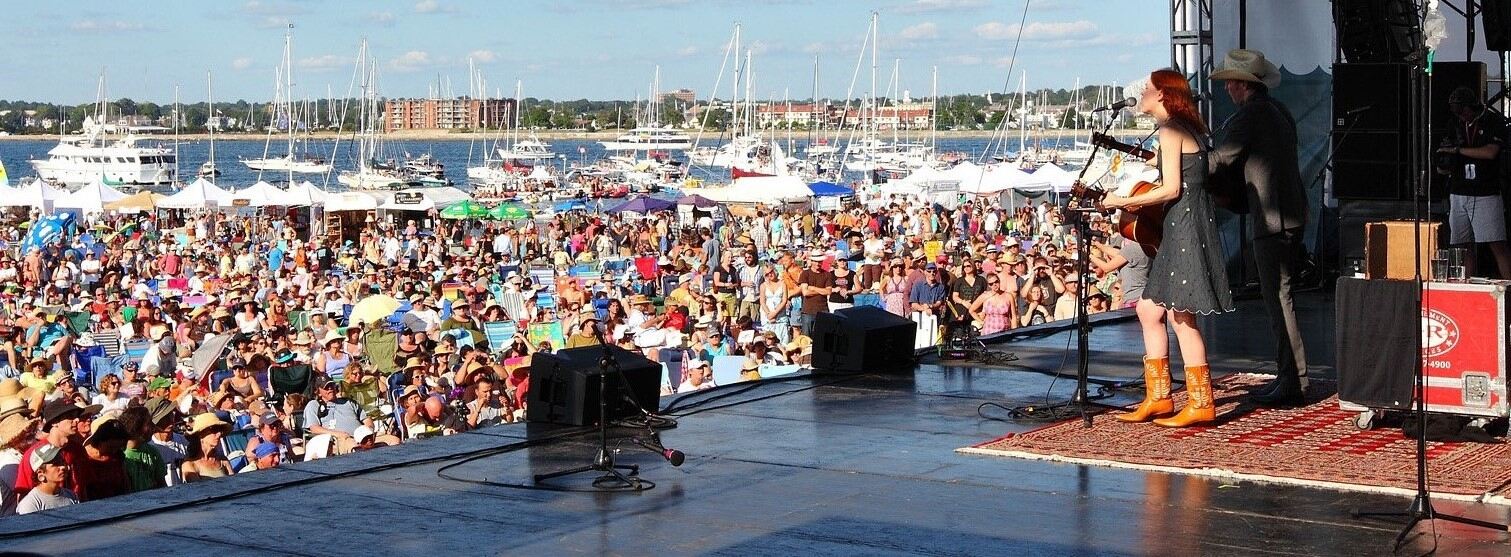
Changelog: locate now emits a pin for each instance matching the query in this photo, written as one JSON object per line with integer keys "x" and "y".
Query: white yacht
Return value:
{"x": 127, "y": 160}
{"x": 532, "y": 149}
{"x": 305, "y": 164}
{"x": 650, "y": 139}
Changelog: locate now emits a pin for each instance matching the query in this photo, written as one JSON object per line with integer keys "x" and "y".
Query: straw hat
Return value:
{"x": 218, "y": 397}
{"x": 207, "y": 420}
{"x": 304, "y": 338}
{"x": 587, "y": 314}
{"x": 1248, "y": 65}
{"x": 15, "y": 419}
{"x": 639, "y": 299}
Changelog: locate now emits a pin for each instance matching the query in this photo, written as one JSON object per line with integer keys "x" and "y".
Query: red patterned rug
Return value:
{"x": 1317, "y": 445}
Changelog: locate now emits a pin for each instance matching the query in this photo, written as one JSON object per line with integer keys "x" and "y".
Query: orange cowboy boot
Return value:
{"x": 1199, "y": 408}
{"x": 1156, "y": 393}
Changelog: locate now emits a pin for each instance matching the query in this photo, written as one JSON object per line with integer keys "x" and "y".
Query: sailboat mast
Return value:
{"x": 288, "y": 99}
{"x": 934, "y": 112}
{"x": 177, "y": 115}
{"x": 210, "y": 96}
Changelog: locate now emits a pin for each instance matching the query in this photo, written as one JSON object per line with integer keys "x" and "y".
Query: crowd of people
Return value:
{"x": 147, "y": 350}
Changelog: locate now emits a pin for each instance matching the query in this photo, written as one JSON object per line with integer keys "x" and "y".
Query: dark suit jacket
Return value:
{"x": 1259, "y": 150}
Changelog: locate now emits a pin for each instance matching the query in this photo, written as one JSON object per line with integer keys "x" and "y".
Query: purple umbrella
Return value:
{"x": 697, "y": 201}
{"x": 644, "y": 205}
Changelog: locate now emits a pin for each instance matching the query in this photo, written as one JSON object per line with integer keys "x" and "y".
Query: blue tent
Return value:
{"x": 829, "y": 189}
{"x": 570, "y": 205}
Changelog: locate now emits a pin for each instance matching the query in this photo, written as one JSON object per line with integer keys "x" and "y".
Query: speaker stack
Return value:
{"x": 863, "y": 339}
{"x": 564, "y": 386}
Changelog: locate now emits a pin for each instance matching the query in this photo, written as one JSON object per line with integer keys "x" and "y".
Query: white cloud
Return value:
{"x": 432, "y": 7}
{"x": 925, "y": 30}
{"x": 93, "y": 26}
{"x": 322, "y": 63}
{"x": 482, "y": 56}
{"x": 385, "y": 19}
{"x": 269, "y": 15}
{"x": 925, "y": 6}
{"x": 762, "y": 47}
{"x": 687, "y": 51}
{"x": 1038, "y": 30}
{"x": 241, "y": 63}
{"x": 412, "y": 60}
{"x": 962, "y": 60}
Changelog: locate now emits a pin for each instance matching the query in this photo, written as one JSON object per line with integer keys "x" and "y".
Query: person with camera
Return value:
{"x": 488, "y": 406}
{"x": 1468, "y": 156}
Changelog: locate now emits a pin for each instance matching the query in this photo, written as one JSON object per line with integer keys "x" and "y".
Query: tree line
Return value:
{"x": 961, "y": 111}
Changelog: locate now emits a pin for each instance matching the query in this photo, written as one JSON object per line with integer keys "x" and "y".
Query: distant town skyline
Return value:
{"x": 593, "y": 49}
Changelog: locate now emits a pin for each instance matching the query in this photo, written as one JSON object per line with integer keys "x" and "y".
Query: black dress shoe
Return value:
{"x": 1285, "y": 394}
{"x": 1267, "y": 388}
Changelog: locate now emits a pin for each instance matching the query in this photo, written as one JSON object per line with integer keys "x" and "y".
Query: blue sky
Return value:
{"x": 597, "y": 49}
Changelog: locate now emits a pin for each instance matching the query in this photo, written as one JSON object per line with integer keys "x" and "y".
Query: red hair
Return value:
{"x": 1177, "y": 100}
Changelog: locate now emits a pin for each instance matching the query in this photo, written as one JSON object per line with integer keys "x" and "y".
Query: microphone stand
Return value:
{"x": 612, "y": 479}
{"x": 1081, "y": 400}
{"x": 1421, "y": 505}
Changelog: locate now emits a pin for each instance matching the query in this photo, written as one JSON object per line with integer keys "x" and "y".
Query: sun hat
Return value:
{"x": 304, "y": 338}
{"x": 332, "y": 336}
{"x": 59, "y": 410}
{"x": 15, "y": 420}
{"x": 218, "y": 397}
{"x": 283, "y": 357}
{"x": 159, "y": 383}
{"x": 1247, "y": 65}
{"x": 587, "y": 314}
{"x": 414, "y": 362}
{"x": 105, "y": 429}
{"x": 206, "y": 421}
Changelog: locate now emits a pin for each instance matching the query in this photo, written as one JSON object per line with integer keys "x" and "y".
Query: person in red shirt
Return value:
{"x": 60, "y": 421}
{"x": 102, "y": 472}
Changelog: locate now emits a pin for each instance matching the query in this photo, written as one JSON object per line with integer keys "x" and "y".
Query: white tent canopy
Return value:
{"x": 350, "y": 201}
{"x": 91, "y": 198}
{"x": 308, "y": 193}
{"x": 430, "y": 198}
{"x": 36, "y": 194}
{"x": 1047, "y": 177}
{"x": 263, "y": 194}
{"x": 199, "y": 194}
{"x": 762, "y": 189}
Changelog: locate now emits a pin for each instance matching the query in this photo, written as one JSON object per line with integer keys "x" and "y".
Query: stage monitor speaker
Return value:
{"x": 564, "y": 386}
{"x": 1380, "y": 89}
{"x": 863, "y": 339}
{"x": 1496, "y": 17}
{"x": 1370, "y": 165}
{"x": 1377, "y": 30}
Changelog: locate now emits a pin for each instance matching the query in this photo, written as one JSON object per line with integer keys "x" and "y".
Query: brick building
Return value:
{"x": 447, "y": 114}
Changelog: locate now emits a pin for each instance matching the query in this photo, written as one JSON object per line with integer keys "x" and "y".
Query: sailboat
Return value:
{"x": 371, "y": 173}
{"x": 283, "y": 114}
{"x": 208, "y": 170}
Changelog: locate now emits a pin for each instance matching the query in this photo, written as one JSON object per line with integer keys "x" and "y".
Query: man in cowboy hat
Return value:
{"x": 1256, "y": 159}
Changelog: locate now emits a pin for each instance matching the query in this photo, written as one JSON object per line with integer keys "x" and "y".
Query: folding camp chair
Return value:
{"x": 298, "y": 320}
{"x": 234, "y": 445}
{"x": 396, "y": 388}
{"x": 499, "y": 333}
{"x": 110, "y": 340}
{"x": 136, "y": 349}
{"x": 292, "y": 379}
{"x": 78, "y": 321}
{"x": 379, "y": 348}
{"x": 463, "y": 337}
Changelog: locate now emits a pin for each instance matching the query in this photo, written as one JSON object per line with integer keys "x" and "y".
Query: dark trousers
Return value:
{"x": 1276, "y": 257}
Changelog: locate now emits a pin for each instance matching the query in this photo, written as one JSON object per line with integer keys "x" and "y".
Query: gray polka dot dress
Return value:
{"x": 1187, "y": 273}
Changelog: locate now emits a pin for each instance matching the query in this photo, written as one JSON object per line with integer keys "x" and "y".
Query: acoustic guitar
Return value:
{"x": 1140, "y": 224}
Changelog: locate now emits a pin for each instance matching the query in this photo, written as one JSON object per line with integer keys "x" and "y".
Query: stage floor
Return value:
{"x": 825, "y": 465}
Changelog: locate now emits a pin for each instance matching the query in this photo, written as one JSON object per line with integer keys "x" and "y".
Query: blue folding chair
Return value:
{"x": 499, "y": 334}
{"x": 136, "y": 349}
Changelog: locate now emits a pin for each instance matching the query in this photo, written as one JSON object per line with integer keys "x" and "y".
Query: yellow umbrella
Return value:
{"x": 144, "y": 201}
{"x": 373, "y": 309}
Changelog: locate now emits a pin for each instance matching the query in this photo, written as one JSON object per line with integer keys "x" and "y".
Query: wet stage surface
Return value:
{"x": 813, "y": 466}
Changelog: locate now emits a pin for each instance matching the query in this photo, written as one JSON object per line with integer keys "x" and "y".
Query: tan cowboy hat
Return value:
{"x": 304, "y": 338}
{"x": 1248, "y": 65}
{"x": 10, "y": 387}
{"x": 218, "y": 397}
{"x": 206, "y": 421}
{"x": 639, "y": 299}
{"x": 414, "y": 362}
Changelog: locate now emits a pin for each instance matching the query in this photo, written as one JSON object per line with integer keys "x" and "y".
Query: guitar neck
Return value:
{"x": 1110, "y": 143}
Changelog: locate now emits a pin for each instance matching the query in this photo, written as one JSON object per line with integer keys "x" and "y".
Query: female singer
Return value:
{"x": 1187, "y": 277}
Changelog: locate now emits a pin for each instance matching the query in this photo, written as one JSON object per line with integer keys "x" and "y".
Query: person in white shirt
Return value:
{"x": 49, "y": 493}
{"x": 422, "y": 317}
{"x": 696, "y": 376}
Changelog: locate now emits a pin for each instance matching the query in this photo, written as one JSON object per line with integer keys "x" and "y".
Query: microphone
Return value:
{"x": 654, "y": 445}
{"x": 1125, "y": 103}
